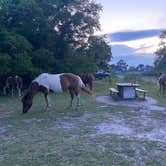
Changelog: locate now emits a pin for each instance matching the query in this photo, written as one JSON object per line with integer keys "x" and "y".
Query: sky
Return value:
{"x": 133, "y": 27}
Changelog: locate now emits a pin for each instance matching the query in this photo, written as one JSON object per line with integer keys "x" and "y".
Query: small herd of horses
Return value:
{"x": 57, "y": 83}
{"x": 46, "y": 83}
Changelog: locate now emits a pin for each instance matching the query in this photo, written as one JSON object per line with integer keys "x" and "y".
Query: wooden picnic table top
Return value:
{"x": 127, "y": 84}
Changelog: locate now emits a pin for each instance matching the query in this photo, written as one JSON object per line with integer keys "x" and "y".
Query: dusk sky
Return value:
{"x": 133, "y": 27}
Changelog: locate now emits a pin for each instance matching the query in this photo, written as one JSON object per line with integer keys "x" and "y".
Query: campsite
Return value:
{"x": 82, "y": 83}
{"x": 96, "y": 134}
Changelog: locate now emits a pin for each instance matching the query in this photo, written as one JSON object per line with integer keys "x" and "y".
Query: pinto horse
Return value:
{"x": 12, "y": 83}
{"x": 88, "y": 79}
{"x": 162, "y": 82}
{"x": 57, "y": 83}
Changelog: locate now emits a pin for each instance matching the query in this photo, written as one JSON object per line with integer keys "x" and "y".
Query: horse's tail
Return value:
{"x": 85, "y": 89}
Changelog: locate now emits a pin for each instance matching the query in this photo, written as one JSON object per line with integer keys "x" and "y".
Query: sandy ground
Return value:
{"x": 148, "y": 104}
{"x": 148, "y": 126}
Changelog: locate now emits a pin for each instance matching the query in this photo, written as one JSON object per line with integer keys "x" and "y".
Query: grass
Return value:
{"x": 68, "y": 137}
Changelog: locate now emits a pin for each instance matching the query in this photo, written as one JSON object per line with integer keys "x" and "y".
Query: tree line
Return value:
{"x": 50, "y": 36}
{"x": 121, "y": 66}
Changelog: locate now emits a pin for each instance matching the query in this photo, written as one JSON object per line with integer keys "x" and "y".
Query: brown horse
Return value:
{"x": 57, "y": 83}
{"x": 162, "y": 82}
{"x": 88, "y": 79}
{"x": 12, "y": 83}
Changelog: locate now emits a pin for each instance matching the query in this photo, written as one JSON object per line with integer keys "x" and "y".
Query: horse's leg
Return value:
{"x": 19, "y": 91}
{"x": 12, "y": 91}
{"x": 20, "y": 85}
{"x": 162, "y": 88}
{"x": 71, "y": 97}
{"x": 78, "y": 98}
{"x": 90, "y": 85}
{"x": 4, "y": 90}
{"x": 48, "y": 105}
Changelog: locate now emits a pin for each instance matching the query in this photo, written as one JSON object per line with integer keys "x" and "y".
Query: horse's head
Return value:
{"x": 26, "y": 103}
{"x": 27, "y": 100}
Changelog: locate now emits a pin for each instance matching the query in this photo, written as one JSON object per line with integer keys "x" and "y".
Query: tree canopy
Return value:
{"x": 51, "y": 36}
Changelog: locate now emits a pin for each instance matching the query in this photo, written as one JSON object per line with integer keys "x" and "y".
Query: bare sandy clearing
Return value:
{"x": 152, "y": 129}
{"x": 148, "y": 104}
{"x": 146, "y": 125}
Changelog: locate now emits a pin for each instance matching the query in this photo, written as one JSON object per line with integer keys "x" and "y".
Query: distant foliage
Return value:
{"x": 160, "y": 62}
{"x": 14, "y": 53}
{"x": 5, "y": 63}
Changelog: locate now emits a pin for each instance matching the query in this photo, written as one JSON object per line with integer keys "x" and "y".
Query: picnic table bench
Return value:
{"x": 113, "y": 91}
{"x": 141, "y": 91}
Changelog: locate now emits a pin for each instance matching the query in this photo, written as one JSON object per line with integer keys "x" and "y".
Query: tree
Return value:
{"x": 160, "y": 62}
{"x": 21, "y": 64}
{"x": 23, "y": 17}
{"x": 140, "y": 67}
{"x": 121, "y": 65}
{"x": 12, "y": 43}
{"x": 149, "y": 68}
{"x": 5, "y": 63}
{"x": 132, "y": 68}
{"x": 14, "y": 53}
{"x": 69, "y": 21}
{"x": 98, "y": 52}
{"x": 53, "y": 35}
{"x": 44, "y": 59}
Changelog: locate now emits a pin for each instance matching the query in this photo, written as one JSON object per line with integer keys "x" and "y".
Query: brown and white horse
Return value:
{"x": 162, "y": 82}
{"x": 57, "y": 83}
{"x": 12, "y": 83}
{"x": 88, "y": 79}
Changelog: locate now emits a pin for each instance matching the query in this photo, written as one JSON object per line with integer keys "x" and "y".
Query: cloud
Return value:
{"x": 141, "y": 46}
{"x": 151, "y": 49}
{"x": 123, "y": 36}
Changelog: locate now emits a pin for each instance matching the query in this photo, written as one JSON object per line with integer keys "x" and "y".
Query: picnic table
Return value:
{"x": 127, "y": 90}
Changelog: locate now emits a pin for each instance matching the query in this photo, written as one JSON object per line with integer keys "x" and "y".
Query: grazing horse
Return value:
{"x": 57, "y": 83}
{"x": 162, "y": 82}
{"x": 12, "y": 83}
{"x": 88, "y": 79}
